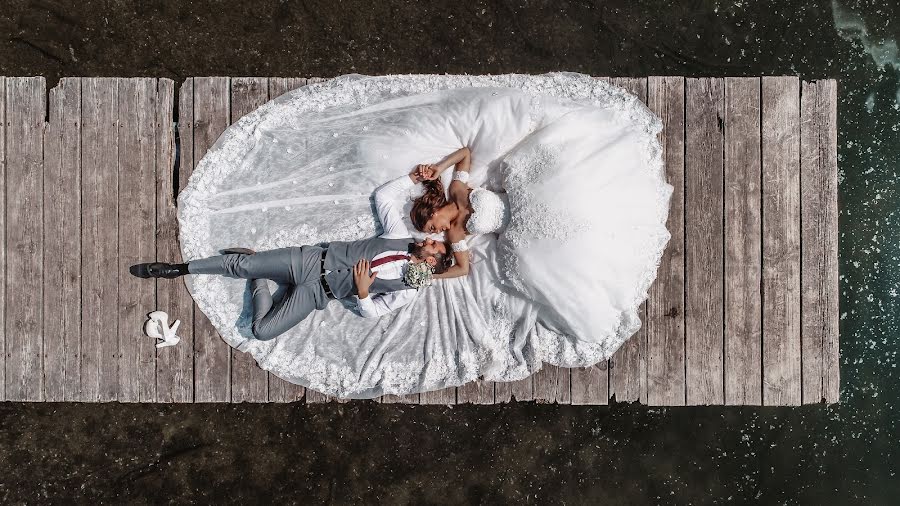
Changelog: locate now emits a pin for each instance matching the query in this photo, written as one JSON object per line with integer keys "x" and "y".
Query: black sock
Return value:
{"x": 182, "y": 268}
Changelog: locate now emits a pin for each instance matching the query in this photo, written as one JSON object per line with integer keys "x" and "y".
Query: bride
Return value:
{"x": 557, "y": 208}
{"x": 576, "y": 230}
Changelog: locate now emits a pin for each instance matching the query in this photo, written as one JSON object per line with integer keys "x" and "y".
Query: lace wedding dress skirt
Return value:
{"x": 580, "y": 168}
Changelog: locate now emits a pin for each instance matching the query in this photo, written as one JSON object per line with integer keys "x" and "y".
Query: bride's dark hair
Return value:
{"x": 424, "y": 207}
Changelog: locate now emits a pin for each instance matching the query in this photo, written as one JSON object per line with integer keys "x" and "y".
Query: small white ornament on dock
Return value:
{"x": 157, "y": 326}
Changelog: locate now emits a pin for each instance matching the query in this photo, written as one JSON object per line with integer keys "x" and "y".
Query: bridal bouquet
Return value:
{"x": 418, "y": 274}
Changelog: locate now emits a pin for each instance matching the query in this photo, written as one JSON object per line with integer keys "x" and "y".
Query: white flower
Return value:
{"x": 418, "y": 275}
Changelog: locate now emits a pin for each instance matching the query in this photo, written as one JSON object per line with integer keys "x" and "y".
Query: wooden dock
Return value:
{"x": 744, "y": 310}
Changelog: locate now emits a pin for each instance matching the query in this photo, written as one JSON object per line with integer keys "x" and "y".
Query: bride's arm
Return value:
{"x": 462, "y": 158}
{"x": 461, "y": 267}
{"x": 459, "y": 186}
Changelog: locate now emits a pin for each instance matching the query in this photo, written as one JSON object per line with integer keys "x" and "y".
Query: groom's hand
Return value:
{"x": 363, "y": 278}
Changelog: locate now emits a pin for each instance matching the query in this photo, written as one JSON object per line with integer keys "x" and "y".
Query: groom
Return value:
{"x": 315, "y": 274}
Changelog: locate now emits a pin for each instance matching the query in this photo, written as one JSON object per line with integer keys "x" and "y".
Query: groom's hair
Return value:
{"x": 444, "y": 260}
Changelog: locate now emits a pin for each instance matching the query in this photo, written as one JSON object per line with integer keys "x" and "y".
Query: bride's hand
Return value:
{"x": 416, "y": 174}
{"x": 427, "y": 172}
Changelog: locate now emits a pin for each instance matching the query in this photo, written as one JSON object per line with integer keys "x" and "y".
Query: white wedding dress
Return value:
{"x": 570, "y": 211}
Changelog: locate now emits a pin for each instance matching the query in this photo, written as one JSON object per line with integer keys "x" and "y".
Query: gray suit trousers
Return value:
{"x": 297, "y": 268}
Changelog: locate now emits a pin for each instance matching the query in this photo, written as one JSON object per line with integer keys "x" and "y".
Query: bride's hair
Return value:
{"x": 424, "y": 207}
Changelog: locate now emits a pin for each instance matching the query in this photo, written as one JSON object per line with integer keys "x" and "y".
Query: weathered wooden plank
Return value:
{"x": 831, "y": 368}
{"x": 62, "y": 243}
{"x": 502, "y": 392}
{"x": 443, "y": 396}
{"x": 628, "y": 365}
{"x": 399, "y": 399}
{"x": 519, "y": 390}
{"x": 781, "y": 240}
{"x": 475, "y": 392}
{"x": 314, "y": 396}
{"x": 3, "y": 230}
{"x": 212, "y": 364}
{"x": 743, "y": 236}
{"x": 665, "y": 303}
{"x": 99, "y": 215}
{"x": 599, "y": 391}
{"x": 553, "y": 384}
{"x": 174, "y": 364}
{"x": 137, "y": 236}
{"x": 819, "y": 239}
{"x": 704, "y": 202}
{"x": 278, "y": 86}
{"x": 590, "y": 384}
{"x": 25, "y": 107}
{"x": 279, "y": 389}
{"x": 249, "y": 383}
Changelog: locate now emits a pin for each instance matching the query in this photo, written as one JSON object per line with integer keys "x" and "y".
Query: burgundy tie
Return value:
{"x": 389, "y": 258}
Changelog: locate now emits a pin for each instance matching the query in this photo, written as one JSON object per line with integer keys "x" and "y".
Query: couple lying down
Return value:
{"x": 539, "y": 246}
{"x": 379, "y": 272}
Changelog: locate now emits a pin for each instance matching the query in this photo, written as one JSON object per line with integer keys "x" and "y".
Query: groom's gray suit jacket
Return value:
{"x": 342, "y": 256}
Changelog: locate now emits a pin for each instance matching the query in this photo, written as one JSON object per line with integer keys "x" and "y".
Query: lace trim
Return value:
{"x": 461, "y": 175}
{"x": 338, "y": 379}
{"x": 461, "y": 245}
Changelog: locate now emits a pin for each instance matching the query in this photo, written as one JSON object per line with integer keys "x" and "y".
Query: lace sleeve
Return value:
{"x": 460, "y": 175}
{"x": 460, "y": 245}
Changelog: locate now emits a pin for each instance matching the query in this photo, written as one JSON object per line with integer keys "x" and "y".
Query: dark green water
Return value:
{"x": 363, "y": 452}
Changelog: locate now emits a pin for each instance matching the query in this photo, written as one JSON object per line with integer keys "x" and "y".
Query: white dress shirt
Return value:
{"x": 386, "y": 205}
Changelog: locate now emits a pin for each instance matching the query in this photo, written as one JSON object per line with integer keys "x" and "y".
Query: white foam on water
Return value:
{"x": 870, "y": 102}
{"x": 851, "y": 26}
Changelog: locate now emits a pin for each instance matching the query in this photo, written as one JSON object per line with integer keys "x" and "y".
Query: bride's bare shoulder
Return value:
{"x": 456, "y": 233}
{"x": 459, "y": 191}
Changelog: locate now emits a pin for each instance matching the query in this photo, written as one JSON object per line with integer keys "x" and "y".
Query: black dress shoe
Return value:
{"x": 237, "y": 251}
{"x": 155, "y": 270}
